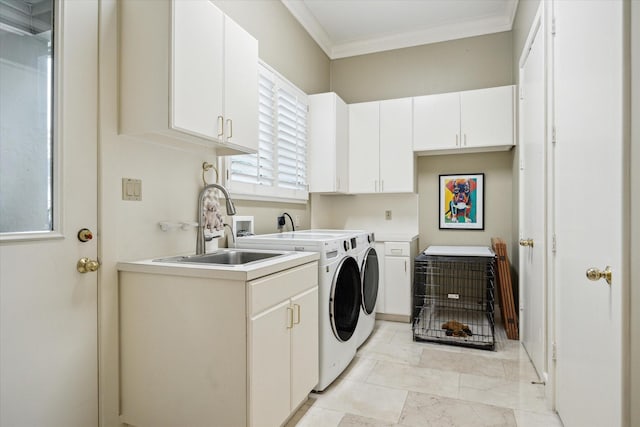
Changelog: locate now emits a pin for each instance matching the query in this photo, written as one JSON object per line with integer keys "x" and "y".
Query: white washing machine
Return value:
{"x": 339, "y": 296}
{"x": 362, "y": 247}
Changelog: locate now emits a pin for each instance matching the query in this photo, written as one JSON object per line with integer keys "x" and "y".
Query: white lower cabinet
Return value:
{"x": 196, "y": 351}
{"x": 284, "y": 351}
{"x": 396, "y": 278}
{"x": 397, "y": 290}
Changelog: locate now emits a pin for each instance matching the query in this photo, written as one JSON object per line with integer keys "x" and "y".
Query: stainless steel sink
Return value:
{"x": 224, "y": 257}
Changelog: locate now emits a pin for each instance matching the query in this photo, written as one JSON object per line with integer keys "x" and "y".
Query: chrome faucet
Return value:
{"x": 231, "y": 210}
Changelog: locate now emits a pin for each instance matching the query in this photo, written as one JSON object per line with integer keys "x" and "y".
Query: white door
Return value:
{"x": 48, "y": 310}
{"x": 532, "y": 197}
{"x": 589, "y": 209}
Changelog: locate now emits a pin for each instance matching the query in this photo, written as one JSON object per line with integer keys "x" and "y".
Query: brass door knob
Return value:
{"x": 595, "y": 274}
{"x": 526, "y": 242}
{"x": 86, "y": 265}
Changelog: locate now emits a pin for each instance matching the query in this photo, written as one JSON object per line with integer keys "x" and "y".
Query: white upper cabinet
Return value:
{"x": 472, "y": 121}
{"x": 364, "y": 143}
{"x": 328, "y": 144}
{"x": 436, "y": 122}
{"x": 396, "y": 141}
{"x": 487, "y": 117}
{"x": 380, "y": 147}
{"x": 188, "y": 73}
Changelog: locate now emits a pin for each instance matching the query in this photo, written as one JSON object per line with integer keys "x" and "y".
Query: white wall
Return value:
{"x": 367, "y": 212}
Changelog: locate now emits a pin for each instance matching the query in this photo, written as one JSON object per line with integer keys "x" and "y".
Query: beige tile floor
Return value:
{"x": 394, "y": 381}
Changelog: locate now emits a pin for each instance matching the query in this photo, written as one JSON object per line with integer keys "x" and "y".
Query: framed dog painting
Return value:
{"x": 462, "y": 201}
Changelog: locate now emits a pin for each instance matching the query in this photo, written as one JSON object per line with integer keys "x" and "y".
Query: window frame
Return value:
{"x": 259, "y": 191}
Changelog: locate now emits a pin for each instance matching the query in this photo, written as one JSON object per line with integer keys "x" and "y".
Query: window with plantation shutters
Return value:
{"x": 279, "y": 169}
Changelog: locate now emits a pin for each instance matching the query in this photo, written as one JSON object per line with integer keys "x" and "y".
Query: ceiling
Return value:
{"x": 346, "y": 28}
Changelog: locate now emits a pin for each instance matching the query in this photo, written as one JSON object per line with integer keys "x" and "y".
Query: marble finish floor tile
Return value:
{"x": 426, "y": 410}
{"x": 463, "y": 363}
{"x": 350, "y": 420}
{"x": 394, "y": 381}
{"x": 363, "y": 399}
{"x": 413, "y": 378}
{"x": 536, "y": 419}
{"x": 313, "y": 416}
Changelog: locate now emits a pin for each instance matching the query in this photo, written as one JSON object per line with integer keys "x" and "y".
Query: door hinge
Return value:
{"x": 553, "y": 244}
{"x": 553, "y": 135}
{"x": 553, "y": 26}
{"x": 521, "y": 93}
{"x": 554, "y": 352}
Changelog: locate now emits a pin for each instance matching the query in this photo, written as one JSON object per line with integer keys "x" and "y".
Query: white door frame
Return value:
{"x": 538, "y": 29}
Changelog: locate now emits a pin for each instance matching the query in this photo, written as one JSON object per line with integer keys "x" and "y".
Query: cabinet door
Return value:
{"x": 364, "y": 146}
{"x": 270, "y": 362}
{"x": 342, "y": 146}
{"x": 304, "y": 346}
{"x": 436, "y": 122}
{"x": 328, "y": 144}
{"x": 396, "y": 146}
{"x": 240, "y": 86}
{"x": 487, "y": 117}
{"x": 397, "y": 287}
{"x": 380, "y": 304}
{"x": 197, "y": 72}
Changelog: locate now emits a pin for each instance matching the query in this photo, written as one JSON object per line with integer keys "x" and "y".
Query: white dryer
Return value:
{"x": 362, "y": 248}
{"x": 370, "y": 276}
{"x": 339, "y": 295}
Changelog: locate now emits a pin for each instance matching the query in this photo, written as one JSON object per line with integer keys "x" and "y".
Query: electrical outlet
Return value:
{"x": 296, "y": 219}
{"x": 280, "y": 222}
{"x": 387, "y": 215}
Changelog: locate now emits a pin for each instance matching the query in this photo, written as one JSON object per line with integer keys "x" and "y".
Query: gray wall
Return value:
{"x": 470, "y": 63}
{"x": 284, "y": 43}
{"x": 635, "y": 213}
{"x": 521, "y": 24}
{"x": 287, "y": 47}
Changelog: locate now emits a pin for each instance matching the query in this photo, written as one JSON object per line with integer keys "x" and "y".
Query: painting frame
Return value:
{"x": 468, "y": 212}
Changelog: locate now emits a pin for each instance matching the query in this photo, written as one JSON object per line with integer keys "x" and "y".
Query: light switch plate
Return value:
{"x": 131, "y": 189}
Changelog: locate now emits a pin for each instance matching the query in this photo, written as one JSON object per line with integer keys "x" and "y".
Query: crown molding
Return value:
{"x": 442, "y": 33}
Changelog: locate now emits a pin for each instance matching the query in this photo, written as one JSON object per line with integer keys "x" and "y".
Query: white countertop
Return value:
{"x": 241, "y": 272}
{"x": 395, "y": 237}
{"x": 479, "y": 251}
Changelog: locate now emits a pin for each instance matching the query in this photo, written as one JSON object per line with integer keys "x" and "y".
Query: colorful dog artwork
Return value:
{"x": 460, "y": 203}
{"x": 461, "y": 199}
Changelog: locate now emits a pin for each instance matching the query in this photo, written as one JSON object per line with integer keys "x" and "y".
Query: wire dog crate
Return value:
{"x": 453, "y": 296}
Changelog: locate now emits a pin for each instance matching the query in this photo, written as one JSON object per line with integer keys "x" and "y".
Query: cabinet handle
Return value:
{"x": 405, "y": 265}
{"x": 220, "y": 126}
{"x": 230, "y": 126}
{"x": 465, "y": 139}
{"x": 297, "y": 307}
{"x": 289, "y": 317}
